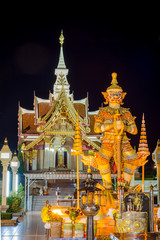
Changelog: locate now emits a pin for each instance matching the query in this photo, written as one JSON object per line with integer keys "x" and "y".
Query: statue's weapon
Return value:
{"x": 118, "y": 154}
{"x": 118, "y": 143}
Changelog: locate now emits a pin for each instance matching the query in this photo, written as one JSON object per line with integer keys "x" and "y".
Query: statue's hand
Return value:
{"x": 143, "y": 158}
{"x": 139, "y": 161}
{"x": 107, "y": 125}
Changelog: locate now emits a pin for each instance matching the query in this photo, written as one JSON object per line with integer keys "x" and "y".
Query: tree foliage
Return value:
{"x": 16, "y": 199}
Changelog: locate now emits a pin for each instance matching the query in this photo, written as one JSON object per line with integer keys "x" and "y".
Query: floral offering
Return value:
{"x": 48, "y": 216}
{"x": 73, "y": 213}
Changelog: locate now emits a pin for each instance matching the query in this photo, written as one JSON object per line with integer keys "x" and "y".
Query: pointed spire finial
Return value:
{"x": 61, "y": 72}
{"x": 143, "y": 117}
{"x": 143, "y": 145}
{"x": 61, "y": 38}
{"x": 61, "y": 63}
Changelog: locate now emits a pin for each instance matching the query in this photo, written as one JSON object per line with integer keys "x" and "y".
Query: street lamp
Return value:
{"x": 5, "y": 156}
{"x": 14, "y": 165}
{"x": 90, "y": 203}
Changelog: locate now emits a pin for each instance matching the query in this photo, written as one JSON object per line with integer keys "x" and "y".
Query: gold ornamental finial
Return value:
{"x": 114, "y": 82}
{"x": 114, "y": 78}
{"x": 61, "y": 38}
{"x": 5, "y": 141}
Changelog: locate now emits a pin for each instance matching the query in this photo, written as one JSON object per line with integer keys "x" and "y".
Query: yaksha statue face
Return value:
{"x": 114, "y": 94}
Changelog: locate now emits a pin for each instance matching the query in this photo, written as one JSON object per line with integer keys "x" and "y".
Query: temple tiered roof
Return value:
{"x": 45, "y": 117}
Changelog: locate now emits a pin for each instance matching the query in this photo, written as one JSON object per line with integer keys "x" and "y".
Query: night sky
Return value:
{"x": 94, "y": 47}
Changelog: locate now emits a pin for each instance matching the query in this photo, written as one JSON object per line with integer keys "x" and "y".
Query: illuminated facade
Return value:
{"x": 47, "y": 135}
{"x": 47, "y": 132}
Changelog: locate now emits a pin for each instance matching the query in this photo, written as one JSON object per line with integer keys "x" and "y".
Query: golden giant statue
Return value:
{"x": 116, "y": 152}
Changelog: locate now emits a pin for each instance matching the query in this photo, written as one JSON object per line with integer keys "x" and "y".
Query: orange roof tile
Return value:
{"x": 43, "y": 108}
{"x": 80, "y": 108}
{"x": 28, "y": 126}
{"x": 92, "y": 121}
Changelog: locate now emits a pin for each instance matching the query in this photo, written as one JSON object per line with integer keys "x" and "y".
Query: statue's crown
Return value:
{"x": 114, "y": 82}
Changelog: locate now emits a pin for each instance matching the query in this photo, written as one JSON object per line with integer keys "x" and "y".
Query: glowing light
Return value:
{"x": 4, "y": 155}
{"x": 58, "y": 211}
{"x": 7, "y": 183}
{"x": 14, "y": 164}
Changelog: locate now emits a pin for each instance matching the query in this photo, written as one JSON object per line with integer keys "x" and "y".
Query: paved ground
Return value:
{"x": 30, "y": 227}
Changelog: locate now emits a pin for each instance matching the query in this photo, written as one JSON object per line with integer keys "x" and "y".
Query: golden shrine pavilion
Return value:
{"x": 47, "y": 132}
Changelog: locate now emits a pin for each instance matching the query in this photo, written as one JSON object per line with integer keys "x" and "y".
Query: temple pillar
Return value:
{"x": 46, "y": 153}
{"x": 30, "y": 156}
{"x": 54, "y": 159}
{"x": 41, "y": 156}
{"x": 51, "y": 158}
{"x": 80, "y": 164}
{"x": 26, "y": 160}
{"x": 28, "y": 199}
{"x": 34, "y": 159}
{"x": 74, "y": 163}
{"x": 38, "y": 160}
{"x": 27, "y": 163}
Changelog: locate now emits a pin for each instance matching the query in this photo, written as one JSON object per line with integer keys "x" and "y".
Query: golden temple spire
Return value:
{"x": 61, "y": 63}
{"x": 143, "y": 145}
{"x": 61, "y": 72}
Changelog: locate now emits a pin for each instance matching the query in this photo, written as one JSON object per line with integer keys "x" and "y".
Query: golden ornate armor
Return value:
{"x": 114, "y": 122}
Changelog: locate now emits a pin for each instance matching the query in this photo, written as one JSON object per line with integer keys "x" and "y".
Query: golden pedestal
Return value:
{"x": 132, "y": 222}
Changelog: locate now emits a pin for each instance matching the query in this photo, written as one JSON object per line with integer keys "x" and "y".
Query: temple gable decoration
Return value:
{"x": 47, "y": 131}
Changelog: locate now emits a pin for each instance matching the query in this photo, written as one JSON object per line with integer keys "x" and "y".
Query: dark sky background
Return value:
{"x": 94, "y": 47}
